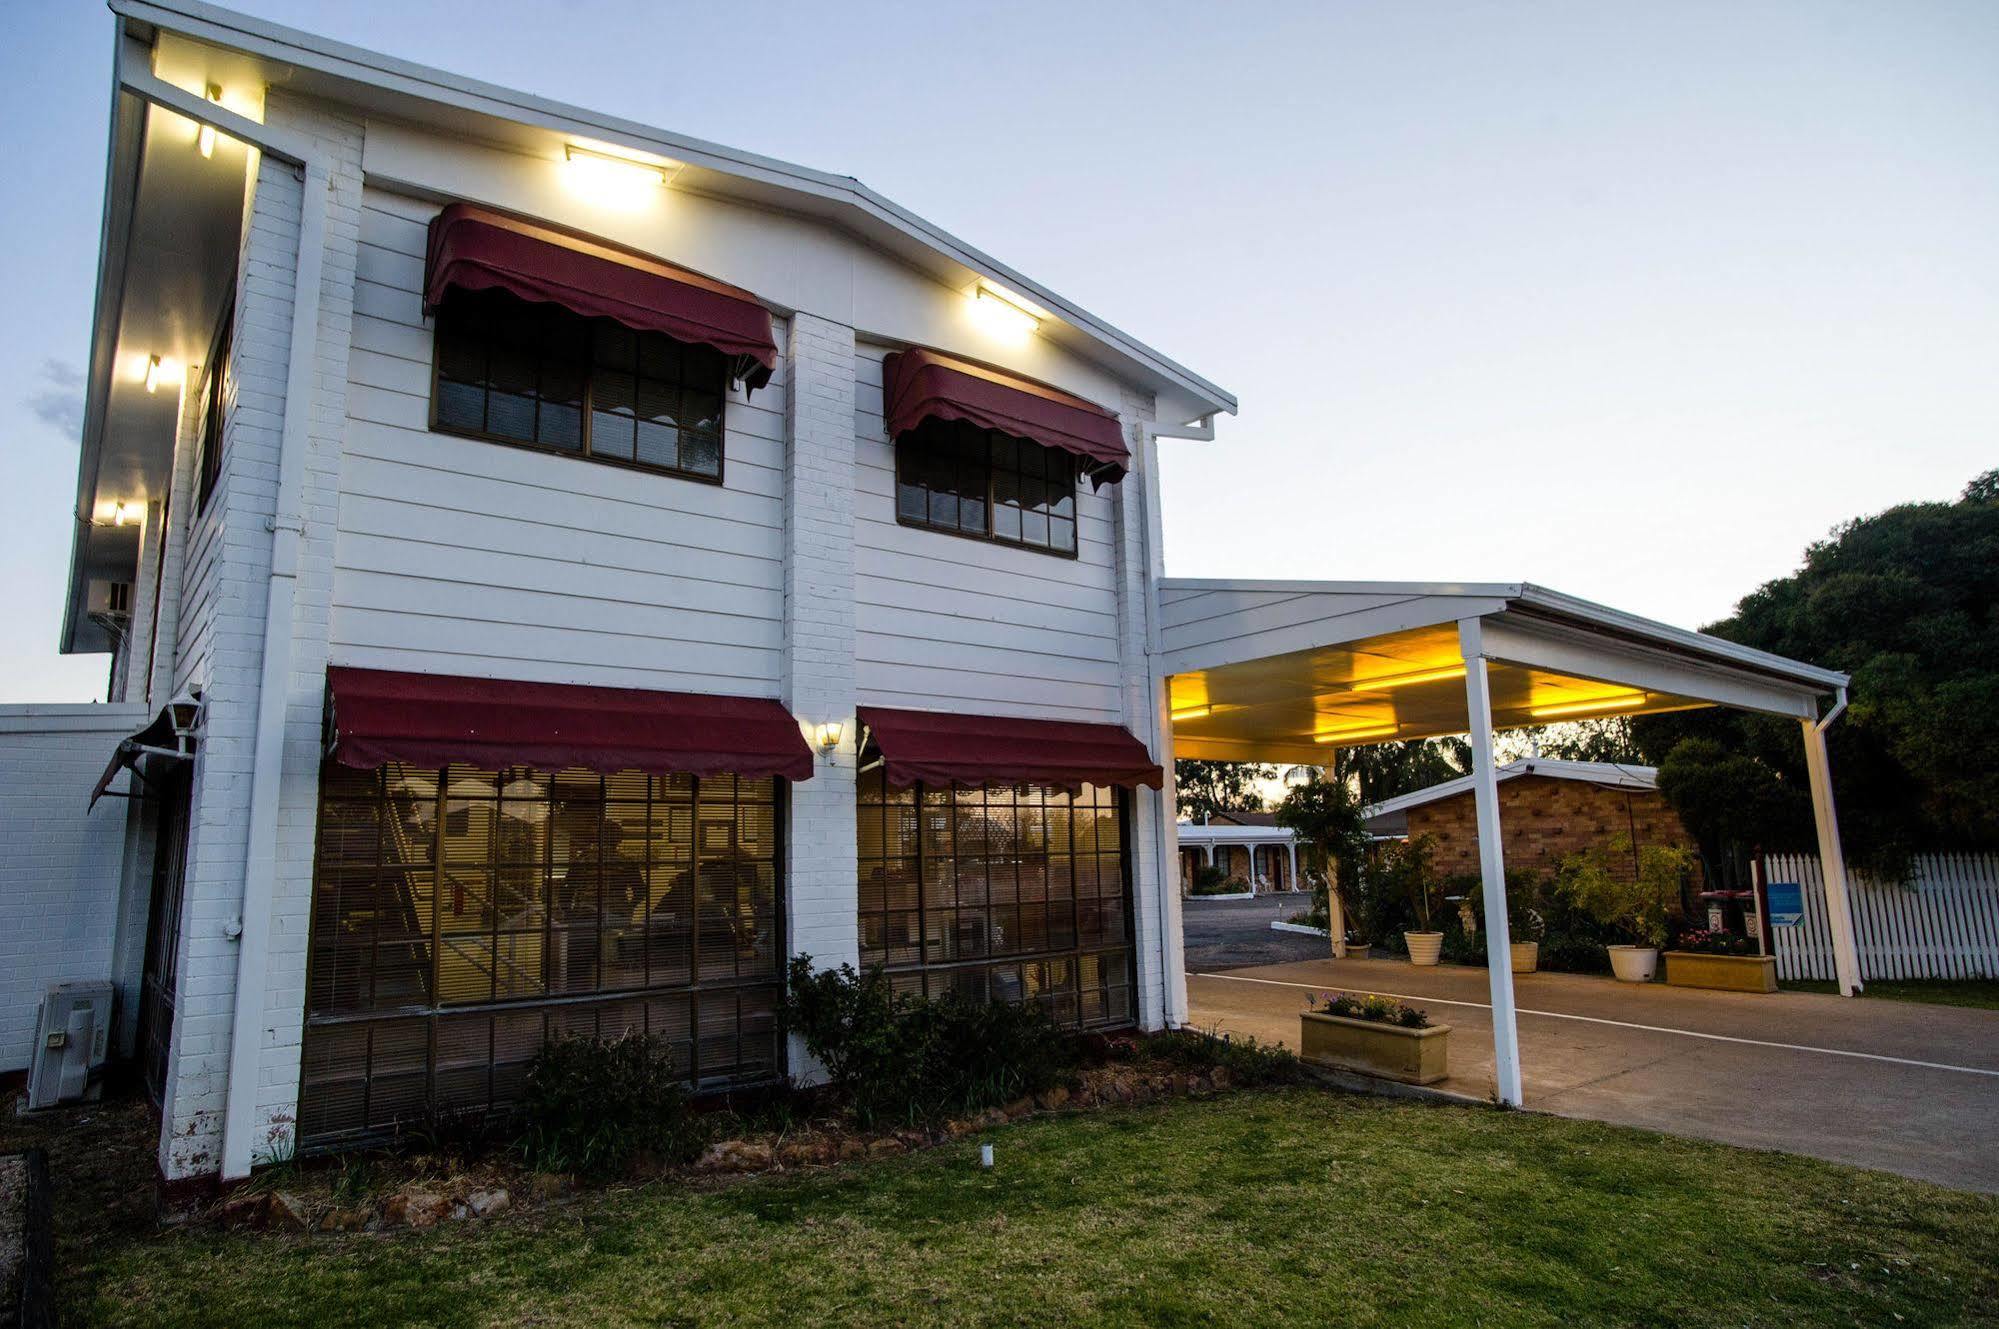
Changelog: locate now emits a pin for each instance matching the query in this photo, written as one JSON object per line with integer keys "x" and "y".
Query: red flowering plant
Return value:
{"x": 1716, "y": 941}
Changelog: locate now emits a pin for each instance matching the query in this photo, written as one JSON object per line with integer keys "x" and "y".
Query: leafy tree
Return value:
{"x": 1607, "y": 738}
{"x": 1211, "y": 788}
{"x": 1385, "y": 770}
{"x": 1907, "y": 602}
{"x": 1325, "y": 816}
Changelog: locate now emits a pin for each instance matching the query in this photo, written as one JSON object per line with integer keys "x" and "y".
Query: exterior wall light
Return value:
{"x": 827, "y": 735}
{"x": 152, "y": 373}
{"x": 204, "y": 140}
{"x": 617, "y": 181}
{"x": 1003, "y": 314}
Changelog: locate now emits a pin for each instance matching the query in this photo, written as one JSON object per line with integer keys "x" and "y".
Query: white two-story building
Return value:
{"x": 556, "y": 570}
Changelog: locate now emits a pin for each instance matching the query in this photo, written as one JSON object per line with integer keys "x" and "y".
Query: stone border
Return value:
{"x": 1233, "y": 895}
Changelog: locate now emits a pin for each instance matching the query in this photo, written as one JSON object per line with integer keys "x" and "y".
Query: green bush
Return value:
{"x": 895, "y": 1057}
{"x": 1209, "y": 879}
{"x": 1374, "y": 1009}
{"x": 593, "y": 1105}
{"x": 1247, "y": 1061}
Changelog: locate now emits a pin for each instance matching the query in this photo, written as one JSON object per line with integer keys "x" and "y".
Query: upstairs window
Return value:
{"x": 209, "y": 456}
{"x": 955, "y": 477}
{"x": 537, "y": 375}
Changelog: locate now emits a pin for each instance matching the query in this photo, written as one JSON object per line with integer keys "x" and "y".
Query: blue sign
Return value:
{"x": 1787, "y": 903}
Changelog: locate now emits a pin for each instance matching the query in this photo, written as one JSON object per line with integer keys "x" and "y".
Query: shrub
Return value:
{"x": 1639, "y": 907}
{"x": 1375, "y": 1009}
{"x": 593, "y": 1105}
{"x": 898, "y": 1057}
{"x": 1247, "y": 1061}
{"x": 1208, "y": 879}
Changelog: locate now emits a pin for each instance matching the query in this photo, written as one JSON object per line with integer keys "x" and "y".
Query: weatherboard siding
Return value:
{"x": 460, "y": 556}
{"x": 951, "y": 624}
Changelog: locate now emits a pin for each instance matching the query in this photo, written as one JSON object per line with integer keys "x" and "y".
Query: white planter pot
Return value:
{"x": 1526, "y": 956}
{"x": 1634, "y": 964}
{"x": 1424, "y": 947}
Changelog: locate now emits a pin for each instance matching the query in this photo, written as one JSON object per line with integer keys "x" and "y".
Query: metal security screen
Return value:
{"x": 461, "y": 917}
{"x": 1007, "y": 894}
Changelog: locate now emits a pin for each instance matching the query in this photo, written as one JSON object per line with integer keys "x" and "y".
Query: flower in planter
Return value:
{"x": 1716, "y": 941}
{"x": 1374, "y": 1009}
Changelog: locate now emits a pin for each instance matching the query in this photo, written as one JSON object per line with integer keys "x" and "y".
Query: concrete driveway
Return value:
{"x": 1906, "y": 1087}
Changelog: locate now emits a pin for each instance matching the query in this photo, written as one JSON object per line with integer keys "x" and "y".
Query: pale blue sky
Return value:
{"x": 1631, "y": 301}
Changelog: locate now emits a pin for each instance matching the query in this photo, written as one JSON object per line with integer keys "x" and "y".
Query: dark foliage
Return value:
{"x": 1717, "y": 941}
{"x": 1373, "y": 1009}
{"x": 593, "y": 1105}
{"x": 1209, "y": 788}
{"x": 1247, "y": 1061}
{"x": 899, "y": 1058}
{"x": 1907, "y": 602}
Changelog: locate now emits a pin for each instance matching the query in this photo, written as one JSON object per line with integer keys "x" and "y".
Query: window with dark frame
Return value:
{"x": 955, "y": 477}
{"x": 216, "y": 381}
{"x": 462, "y": 917}
{"x": 1005, "y": 894}
{"x": 537, "y": 375}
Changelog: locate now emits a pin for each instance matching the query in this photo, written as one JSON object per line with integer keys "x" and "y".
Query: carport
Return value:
{"x": 1289, "y": 671}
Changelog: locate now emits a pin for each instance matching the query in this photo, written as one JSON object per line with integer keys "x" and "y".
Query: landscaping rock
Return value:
{"x": 417, "y": 1209}
{"x": 243, "y": 1211}
{"x": 548, "y": 1185}
{"x": 883, "y": 1148}
{"x": 737, "y": 1156}
{"x": 344, "y": 1220}
{"x": 851, "y": 1148}
{"x": 804, "y": 1153}
{"x": 1020, "y": 1107}
{"x": 489, "y": 1202}
{"x": 1221, "y": 1078}
{"x": 286, "y": 1210}
{"x": 1050, "y": 1099}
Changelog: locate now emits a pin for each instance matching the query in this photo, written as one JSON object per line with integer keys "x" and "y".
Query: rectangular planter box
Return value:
{"x": 1729, "y": 973}
{"x": 1413, "y": 1056}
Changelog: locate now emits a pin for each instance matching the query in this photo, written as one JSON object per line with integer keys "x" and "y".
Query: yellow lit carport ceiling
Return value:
{"x": 1303, "y": 706}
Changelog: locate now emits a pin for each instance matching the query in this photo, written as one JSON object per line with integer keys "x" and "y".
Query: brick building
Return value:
{"x": 1548, "y": 809}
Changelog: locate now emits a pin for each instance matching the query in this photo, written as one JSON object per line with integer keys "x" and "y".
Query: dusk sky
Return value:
{"x": 1630, "y": 301}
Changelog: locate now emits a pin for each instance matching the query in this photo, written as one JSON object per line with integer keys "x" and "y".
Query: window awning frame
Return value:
{"x": 952, "y": 750}
{"x": 476, "y": 248}
{"x": 921, "y": 384}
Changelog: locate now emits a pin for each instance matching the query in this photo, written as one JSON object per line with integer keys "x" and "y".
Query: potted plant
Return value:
{"x": 1637, "y": 905}
{"x": 1375, "y": 1036}
{"x": 1404, "y": 869}
{"x": 1720, "y": 959}
{"x": 1524, "y": 923}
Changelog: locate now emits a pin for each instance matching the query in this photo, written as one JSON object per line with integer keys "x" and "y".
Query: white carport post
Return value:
{"x": 1832, "y": 862}
{"x": 1491, "y": 867}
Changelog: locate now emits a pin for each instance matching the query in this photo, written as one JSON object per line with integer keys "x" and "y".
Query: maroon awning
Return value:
{"x": 477, "y": 249}
{"x": 379, "y": 716}
{"x": 932, "y": 747}
{"x": 921, "y": 385}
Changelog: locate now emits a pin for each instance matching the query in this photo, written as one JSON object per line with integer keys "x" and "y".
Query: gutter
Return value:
{"x": 253, "y": 925}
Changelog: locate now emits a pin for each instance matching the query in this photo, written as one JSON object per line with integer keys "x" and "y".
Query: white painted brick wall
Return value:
{"x": 243, "y": 505}
{"x": 820, "y": 871}
{"x": 60, "y": 874}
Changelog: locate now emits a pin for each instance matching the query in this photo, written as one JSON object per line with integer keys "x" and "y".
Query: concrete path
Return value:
{"x": 1897, "y": 1085}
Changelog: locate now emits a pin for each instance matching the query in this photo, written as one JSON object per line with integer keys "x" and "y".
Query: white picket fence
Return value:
{"x": 1942, "y": 923}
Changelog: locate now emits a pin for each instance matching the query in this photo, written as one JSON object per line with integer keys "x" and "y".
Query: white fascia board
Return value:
{"x": 1412, "y": 589}
{"x": 1583, "y": 651}
{"x": 1610, "y": 775}
{"x": 1652, "y": 632}
{"x": 288, "y": 46}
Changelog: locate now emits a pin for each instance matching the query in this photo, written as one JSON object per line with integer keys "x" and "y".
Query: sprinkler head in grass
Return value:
{"x": 986, "y": 1156}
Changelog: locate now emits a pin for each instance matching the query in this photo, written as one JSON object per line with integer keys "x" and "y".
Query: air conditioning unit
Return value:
{"x": 72, "y": 1039}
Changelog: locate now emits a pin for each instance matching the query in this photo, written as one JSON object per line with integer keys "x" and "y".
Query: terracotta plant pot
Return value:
{"x": 1634, "y": 964}
{"x": 1526, "y": 956}
{"x": 1424, "y": 947}
{"x": 1413, "y": 1056}
{"x": 1726, "y": 973}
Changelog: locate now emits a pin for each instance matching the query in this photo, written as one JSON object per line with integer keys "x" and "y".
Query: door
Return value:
{"x": 157, "y": 987}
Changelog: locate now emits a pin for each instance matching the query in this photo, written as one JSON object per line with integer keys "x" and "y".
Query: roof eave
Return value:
{"x": 223, "y": 27}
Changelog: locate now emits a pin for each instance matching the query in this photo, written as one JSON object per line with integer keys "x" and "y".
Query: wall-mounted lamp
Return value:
{"x": 1004, "y": 314}
{"x": 827, "y": 735}
{"x": 613, "y": 180}
{"x": 204, "y": 141}
{"x": 1627, "y": 703}
{"x": 152, "y": 373}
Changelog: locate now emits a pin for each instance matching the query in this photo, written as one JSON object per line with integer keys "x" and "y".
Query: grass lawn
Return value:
{"x": 1978, "y": 993}
{"x": 1291, "y": 1207}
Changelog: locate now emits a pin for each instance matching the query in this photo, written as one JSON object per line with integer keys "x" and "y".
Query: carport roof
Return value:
{"x": 1288, "y": 671}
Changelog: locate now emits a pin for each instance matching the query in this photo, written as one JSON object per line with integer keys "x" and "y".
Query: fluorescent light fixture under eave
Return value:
{"x": 1364, "y": 731}
{"x": 1408, "y": 680}
{"x": 610, "y": 165}
{"x": 1004, "y": 313}
{"x": 1584, "y": 707}
{"x": 1193, "y": 713}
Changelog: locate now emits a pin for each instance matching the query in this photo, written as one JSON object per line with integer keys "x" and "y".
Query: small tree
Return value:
{"x": 1639, "y": 905}
{"x": 1210, "y": 788}
{"x": 1325, "y": 817}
